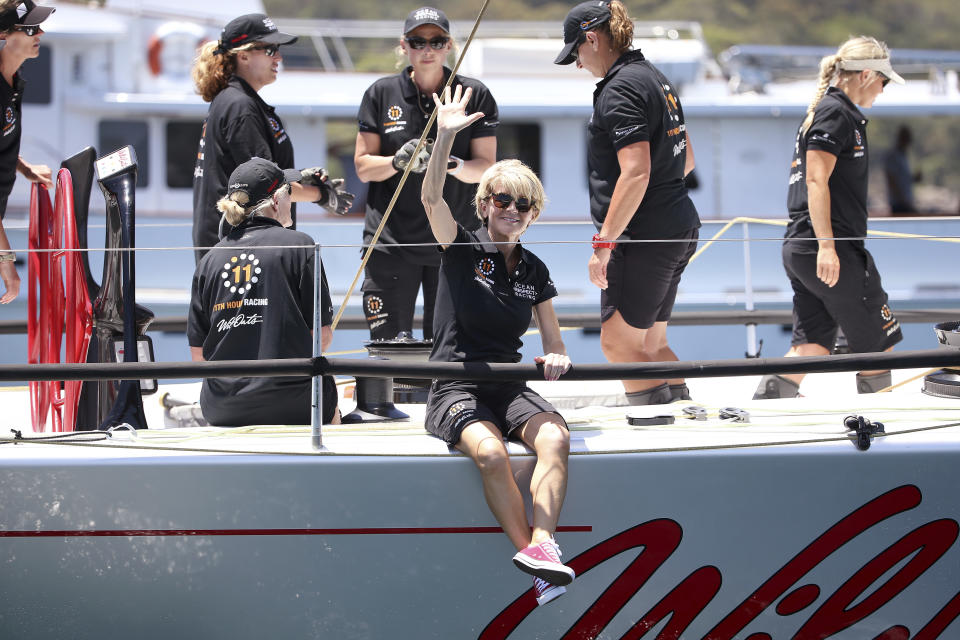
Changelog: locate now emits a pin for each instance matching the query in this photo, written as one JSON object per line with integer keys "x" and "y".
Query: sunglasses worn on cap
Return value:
{"x": 503, "y": 200}
{"x": 437, "y": 42}
{"x": 269, "y": 50}
{"x": 28, "y": 29}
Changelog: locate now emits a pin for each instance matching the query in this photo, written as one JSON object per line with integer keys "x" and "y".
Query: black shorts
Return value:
{"x": 289, "y": 401}
{"x": 857, "y": 303}
{"x": 642, "y": 279}
{"x": 454, "y": 404}
{"x": 390, "y": 288}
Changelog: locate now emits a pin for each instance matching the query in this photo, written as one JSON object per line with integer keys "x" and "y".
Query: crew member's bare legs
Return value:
{"x": 622, "y": 342}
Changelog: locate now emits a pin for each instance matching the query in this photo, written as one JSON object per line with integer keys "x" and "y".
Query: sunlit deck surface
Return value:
{"x": 595, "y": 412}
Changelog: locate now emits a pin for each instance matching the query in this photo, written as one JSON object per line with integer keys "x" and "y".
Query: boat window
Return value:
{"x": 114, "y": 134}
{"x": 38, "y": 74}
{"x": 520, "y": 140}
{"x": 182, "y": 140}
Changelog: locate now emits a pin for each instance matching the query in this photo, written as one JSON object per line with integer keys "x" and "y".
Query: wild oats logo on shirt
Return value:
{"x": 240, "y": 273}
{"x": 484, "y": 269}
{"x": 394, "y": 123}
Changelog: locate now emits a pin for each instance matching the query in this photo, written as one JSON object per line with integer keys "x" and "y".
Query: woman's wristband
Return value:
{"x": 599, "y": 242}
{"x": 454, "y": 165}
{"x": 8, "y": 256}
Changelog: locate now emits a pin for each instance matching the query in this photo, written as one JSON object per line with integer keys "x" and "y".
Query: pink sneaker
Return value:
{"x": 546, "y": 592}
{"x": 543, "y": 561}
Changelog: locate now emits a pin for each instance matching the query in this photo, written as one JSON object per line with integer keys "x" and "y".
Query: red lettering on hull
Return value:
{"x": 917, "y": 552}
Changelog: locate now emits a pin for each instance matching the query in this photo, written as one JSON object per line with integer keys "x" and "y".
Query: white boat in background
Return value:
{"x": 119, "y": 74}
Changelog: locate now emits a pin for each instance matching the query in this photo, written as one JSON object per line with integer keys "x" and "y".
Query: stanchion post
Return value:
{"x": 316, "y": 416}
{"x": 748, "y": 293}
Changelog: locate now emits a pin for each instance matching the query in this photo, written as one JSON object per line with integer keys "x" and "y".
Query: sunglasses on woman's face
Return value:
{"x": 28, "y": 29}
{"x": 437, "y": 42}
{"x": 503, "y": 200}
{"x": 884, "y": 80}
{"x": 269, "y": 50}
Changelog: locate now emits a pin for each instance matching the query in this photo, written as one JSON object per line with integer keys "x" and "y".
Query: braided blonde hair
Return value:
{"x": 859, "y": 48}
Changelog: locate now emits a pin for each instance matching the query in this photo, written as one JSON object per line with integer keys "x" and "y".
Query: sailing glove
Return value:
{"x": 404, "y": 156}
{"x": 333, "y": 197}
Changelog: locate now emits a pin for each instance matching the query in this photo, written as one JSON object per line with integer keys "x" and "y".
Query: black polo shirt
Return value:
{"x": 249, "y": 303}
{"x": 634, "y": 102}
{"x": 239, "y": 126}
{"x": 838, "y": 128}
{"x": 11, "y": 98}
{"x": 482, "y": 311}
{"x": 394, "y": 109}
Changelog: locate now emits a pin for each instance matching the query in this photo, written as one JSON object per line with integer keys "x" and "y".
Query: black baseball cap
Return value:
{"x": 426, "y": 15}
{"x": 259, "y": 179}
{"x": 252, "y": 27}
{"x": 582, "y": 18}
{"x": 25, "y": 13}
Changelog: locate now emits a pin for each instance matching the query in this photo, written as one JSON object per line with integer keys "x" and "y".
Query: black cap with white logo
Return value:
{"x": 582, "y": 18}
{"x": 252, "y": 27}
{"x": 26, "y": 13}
{"x": 259, "y": 179}
{"x": 426, "y": 15}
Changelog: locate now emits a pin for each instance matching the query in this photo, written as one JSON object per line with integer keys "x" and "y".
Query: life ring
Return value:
{"x": 180, "y": 36}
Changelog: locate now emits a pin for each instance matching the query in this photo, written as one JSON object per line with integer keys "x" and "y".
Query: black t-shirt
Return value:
{"x": 249, "y": 303}
{"x": 633, "y": 103}
{"x": 482, "y": 311}
{"x": 840, "y": 129}
{"x": 11, "y": 98}
{"x": 239, "y": 126}
{"x": 394, "y": 109}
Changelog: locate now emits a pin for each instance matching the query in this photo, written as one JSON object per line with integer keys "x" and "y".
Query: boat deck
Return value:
{"x": 595, "y": 412}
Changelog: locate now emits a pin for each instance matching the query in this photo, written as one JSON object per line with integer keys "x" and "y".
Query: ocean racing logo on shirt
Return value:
{"x": 484, "y": 269}
{"x": 393, "y": 121}
{"x": 239, "y": 275}
{"x": 858, "y": 148}
{"x": 278, "y": 132}
{"x": 9, "y": 120}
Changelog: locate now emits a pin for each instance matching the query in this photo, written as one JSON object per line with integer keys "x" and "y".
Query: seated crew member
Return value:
{"x": 253, "y": 302}
{"x": 485, "y": 298}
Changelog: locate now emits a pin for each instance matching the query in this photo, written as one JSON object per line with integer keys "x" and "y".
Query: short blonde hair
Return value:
{"x": 515, "y": 178}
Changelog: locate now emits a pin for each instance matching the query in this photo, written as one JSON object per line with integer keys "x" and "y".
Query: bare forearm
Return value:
{"x": 300, "y": 193}
{"x": 818, "y": 200}
{"x": 627, "y": 196}
{"x": 373, "y": 168}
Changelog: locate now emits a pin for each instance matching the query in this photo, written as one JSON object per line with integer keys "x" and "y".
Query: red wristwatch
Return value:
{"x": 599, "y": 242}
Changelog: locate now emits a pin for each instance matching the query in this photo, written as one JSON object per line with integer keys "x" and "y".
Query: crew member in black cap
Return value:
{"x": 252, "y": 302}
{"x": 638, "y": 155}
{"x": 489, "y": 287}
{"x": 392, "y": 117}
{"x": 835, "y": 281}
{"x": 19, "y": 41}
{"x": 229, "y": 74}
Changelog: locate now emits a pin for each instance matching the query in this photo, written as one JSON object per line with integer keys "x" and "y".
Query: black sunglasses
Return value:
{"x": 503, "y": 200}
{"x": 581, "y": 38}
{"x": 270, "y": 50}
{"x": 437, "y": 42}
{"x": 28, "y": 29}
{"x": 885, "y": 80}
